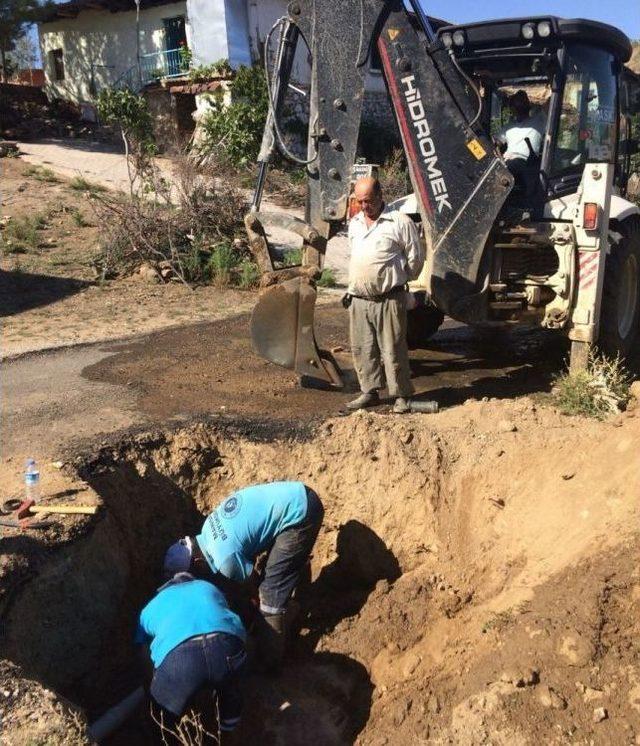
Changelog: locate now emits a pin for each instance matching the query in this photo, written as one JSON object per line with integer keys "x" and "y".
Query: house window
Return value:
{"x": 57, "y": 64}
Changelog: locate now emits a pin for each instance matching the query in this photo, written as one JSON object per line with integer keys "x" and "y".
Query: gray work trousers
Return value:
{"x": 378, "y": 330}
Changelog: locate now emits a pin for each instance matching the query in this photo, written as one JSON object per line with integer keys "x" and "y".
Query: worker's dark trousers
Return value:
{"x": 288, "y": 557}
{"x": 216, "y": 661}
{"x": 378, "y": 330}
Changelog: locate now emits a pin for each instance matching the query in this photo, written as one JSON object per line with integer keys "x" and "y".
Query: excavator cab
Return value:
{"x": 509, "y": 240}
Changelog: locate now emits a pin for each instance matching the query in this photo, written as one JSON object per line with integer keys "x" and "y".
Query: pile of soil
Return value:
{"x": 27, "y": 114}
{"x": 475, "y": 581}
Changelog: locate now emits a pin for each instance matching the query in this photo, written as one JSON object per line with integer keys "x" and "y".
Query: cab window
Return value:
{"x": 587, "y": 125}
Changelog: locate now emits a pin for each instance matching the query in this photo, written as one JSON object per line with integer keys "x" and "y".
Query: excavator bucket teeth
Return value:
{"x": 282, "y": 330}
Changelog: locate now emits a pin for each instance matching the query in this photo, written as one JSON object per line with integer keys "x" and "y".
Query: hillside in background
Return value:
{"x": 634, "y": 62}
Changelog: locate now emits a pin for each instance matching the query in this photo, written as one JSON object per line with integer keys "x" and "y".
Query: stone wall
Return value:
{"x": 173, "y": 123}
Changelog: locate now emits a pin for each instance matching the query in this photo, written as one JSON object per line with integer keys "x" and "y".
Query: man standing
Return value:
{"x": 281, "y": 518}
{"x": 386, "y": 252}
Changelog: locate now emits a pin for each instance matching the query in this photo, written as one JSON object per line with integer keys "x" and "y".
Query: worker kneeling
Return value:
{"x": 281, "y": 518}
{"x": 196, "y": 642}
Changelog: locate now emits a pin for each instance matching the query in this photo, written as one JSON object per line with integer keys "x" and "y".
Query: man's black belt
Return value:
{"x": 383, "y": 296}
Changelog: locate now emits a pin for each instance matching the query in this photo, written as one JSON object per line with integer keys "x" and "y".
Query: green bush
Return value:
{"x": 599, "y": 391}
{"x": 222, "y": 263}
{"x": 129, "y": 111}
{"x": 327, "y": 279}
{"x": 218, "y": 69}
{"x": 249, "y": 274}
{"x": 236, "y": 129}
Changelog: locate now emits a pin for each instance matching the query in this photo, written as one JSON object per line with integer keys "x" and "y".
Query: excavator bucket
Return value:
{"x": 282, "y": 330}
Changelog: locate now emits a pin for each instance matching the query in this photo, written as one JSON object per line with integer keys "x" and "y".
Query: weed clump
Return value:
{"x": 601, "y": 390}
{"x": 21, "y": 234}
{"x": 80, "y": 184}
{"x": 327, "y": 279}
{"x": 39, "y": 173}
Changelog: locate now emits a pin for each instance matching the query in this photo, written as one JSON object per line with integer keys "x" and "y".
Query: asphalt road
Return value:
{"x": 50, "y": 399}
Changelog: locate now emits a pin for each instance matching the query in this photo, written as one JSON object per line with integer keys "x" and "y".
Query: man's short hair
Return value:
{"x": 377, "y": 187}
{"x": 520, "y": 99}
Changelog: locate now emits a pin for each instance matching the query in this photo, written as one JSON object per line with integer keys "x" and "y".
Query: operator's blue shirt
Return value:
{"x": 247, "y": 523}
{"x": 183, "y": 608}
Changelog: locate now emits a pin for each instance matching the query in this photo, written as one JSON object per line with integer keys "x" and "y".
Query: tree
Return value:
{"x": 15, "y": 18}
{"x": 25, "y": 53}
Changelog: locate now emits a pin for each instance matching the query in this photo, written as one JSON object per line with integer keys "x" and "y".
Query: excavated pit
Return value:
{"x": 441, "y": 543}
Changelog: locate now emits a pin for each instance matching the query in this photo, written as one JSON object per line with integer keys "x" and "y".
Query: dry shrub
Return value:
{"x": 599, "y": 391}
{"x": 287, "y": 187}
{"x": 394, "y": 176}
{"x": 174, "y": 227}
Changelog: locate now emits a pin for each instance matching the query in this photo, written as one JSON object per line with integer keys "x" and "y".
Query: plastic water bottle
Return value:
{"x": 32, "y": 480}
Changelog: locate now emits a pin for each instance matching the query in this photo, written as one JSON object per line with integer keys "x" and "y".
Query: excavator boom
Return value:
{"x": 459, "y": 182}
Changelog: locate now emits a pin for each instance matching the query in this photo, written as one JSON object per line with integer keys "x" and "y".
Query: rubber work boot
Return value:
{"x": 272, "y": 639}
{"x": 367, "y": 399}
{"x": 401, "y": 406}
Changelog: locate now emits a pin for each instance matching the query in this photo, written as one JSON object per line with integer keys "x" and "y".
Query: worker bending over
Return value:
{"x": 281, "y": 518}
{"x": 195, "y": 642}
{"x": 386, "y": 252}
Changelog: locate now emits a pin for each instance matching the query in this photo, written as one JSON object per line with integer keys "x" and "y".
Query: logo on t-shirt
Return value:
{"x": 231, "y": 506}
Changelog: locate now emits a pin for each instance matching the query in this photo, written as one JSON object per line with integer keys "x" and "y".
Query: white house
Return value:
{"x": 89, "y": 44}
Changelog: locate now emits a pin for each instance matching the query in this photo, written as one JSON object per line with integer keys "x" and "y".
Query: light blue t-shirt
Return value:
{"x": 181, "y": 610}
{"x": 247, "y": 522}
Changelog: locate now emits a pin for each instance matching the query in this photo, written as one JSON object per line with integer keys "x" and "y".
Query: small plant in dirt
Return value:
{"x": 80, "y": 184}
{"x": 236, "y": 128}
{"x": 79, "y": 219}
{"x": 42, "y": 174}
{"x": 599, "y": 391}
{"x": 292, "y": 258}
{"x": 248, "y": 274}
{"x": 327, "y": 279}
{"x": 222, "y": 263}
{"x": 21, "y": 234}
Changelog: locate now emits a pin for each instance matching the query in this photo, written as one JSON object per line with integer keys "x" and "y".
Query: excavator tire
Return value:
{"x": 620, "y": 314}
{"x": 422, "y": 323}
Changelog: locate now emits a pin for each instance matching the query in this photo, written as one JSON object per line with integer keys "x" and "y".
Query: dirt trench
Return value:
{"x": 475, "y": 578}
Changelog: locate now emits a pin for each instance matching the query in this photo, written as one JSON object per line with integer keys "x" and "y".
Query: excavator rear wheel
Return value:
{"x": 620, "y": 315}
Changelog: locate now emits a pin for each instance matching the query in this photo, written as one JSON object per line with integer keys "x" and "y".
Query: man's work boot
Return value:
{"x": 367, "y": 399}
{"x": 271, "y": 640}
{"x": 401, "y": 406}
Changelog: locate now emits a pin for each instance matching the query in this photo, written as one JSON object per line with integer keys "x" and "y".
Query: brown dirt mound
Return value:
{"x": 475, "y": 580}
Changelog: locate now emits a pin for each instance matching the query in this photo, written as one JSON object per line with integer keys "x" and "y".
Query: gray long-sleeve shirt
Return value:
{"x": 384, "y": 255}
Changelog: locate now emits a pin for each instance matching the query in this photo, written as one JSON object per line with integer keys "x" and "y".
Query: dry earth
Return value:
{"x": 49, "y": 296}
{"x": 475, "y": 581}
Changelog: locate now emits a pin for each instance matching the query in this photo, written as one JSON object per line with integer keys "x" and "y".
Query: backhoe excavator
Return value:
{"x": 555, "y": 245}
